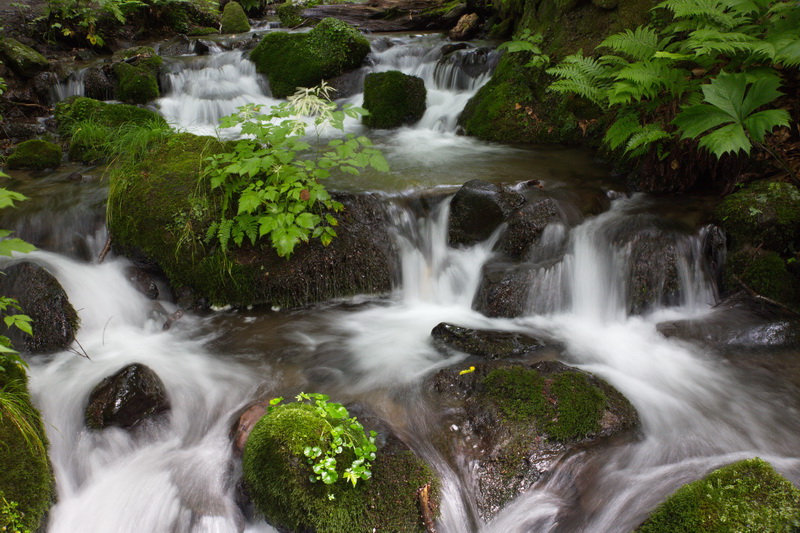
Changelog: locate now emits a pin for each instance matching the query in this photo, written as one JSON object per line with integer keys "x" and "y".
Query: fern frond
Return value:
{"x": 786, "y": 48}
{"x": 714, "y": 42}
{"x": 620, "y": 131}
{"x": 639, "y": 44}
{"x": 224, "y": 232}
{"x": 584, "y": 76}
{"x": 693, "y": 15}
{"x": 641, "y": 141}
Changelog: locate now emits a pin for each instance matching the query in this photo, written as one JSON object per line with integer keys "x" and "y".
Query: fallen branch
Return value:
{"x": 757, "y": 296}
{"x": 425, "y": 508}
{"x": 106, "y": 249}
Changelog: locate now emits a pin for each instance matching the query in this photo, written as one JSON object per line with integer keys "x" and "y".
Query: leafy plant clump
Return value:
{"x": 706, "y": 76}
{"x": 271, "y": 181}
{"x": 744, "y": 496}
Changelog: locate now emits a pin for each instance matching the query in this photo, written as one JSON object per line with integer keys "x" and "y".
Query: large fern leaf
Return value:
{"x": 620, "y": 131}
{"x": 714, "y": 42}
{"x": 693, "y": 15}
{"x": 641, "y": 141}
{"x": 584, "y": 76}
{"x": 639, "y": 44}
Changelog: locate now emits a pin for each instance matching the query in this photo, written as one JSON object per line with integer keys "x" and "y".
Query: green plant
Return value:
{"x": 11, "y": 518}
{"x": 81, "y": 18}
{"x": 528, "y": 42}
{"x": 340, "y": 432}
{"x": 664, "y": 82}
{"x": 270, "y": 183}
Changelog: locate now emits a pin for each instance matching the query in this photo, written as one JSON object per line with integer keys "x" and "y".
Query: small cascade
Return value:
{"x": 201, "y": 90}
{"x": 73, "y": 85}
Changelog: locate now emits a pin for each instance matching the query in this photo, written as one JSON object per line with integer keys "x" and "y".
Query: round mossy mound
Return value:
{"x": 76, "y": 109}
{"x": 764, "y": 213}
{"x": 289, "y": 14}
{"x": 25, "y": 474}
{"x": 764, "y": 272}
{"x": 26, "y": 61}
{"x": 35, "y": 155}
{"x": 744, "y": 496}
{"x": 292, "y": 60}
{"x": 234, "y": 19}
{"x": 393, "y": 99}
{"x": 135, "y": 85}
{"x": 276, "y": 475}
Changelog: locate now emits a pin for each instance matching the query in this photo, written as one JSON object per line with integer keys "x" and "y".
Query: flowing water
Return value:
{"x": 701, "y": 404}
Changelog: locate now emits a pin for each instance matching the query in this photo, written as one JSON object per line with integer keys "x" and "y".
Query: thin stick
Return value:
{"x": 106, "y": 249}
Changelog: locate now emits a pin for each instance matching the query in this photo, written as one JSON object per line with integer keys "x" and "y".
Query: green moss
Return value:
{"x": 135, "y": 85}
{"x": 765, "y": 213}
{"x": 764, "y": 272}
{"x": 26, "y": 61}
{"x": 566, "y": 406}
{"x": 35, "y": 155}
{"x": 277, "y": 476}
{"x": 234, "y": 19}
{"x": 199, "y": 31}
{"x": 745, "y": 496}
{"x": 292, "y": 60}
{"x": 289, "y": 14}
{"x": 25, "y": 474}
{"x": 393, "y": 99}
{"x": 177, "y": 18}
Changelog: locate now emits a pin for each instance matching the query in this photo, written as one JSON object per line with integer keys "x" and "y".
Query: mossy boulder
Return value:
{"x": 135, "y": 85}
{"x": 161, "y": 210}
{"x": 41, "y": 296}
{"x": 744, "y": 496}
{"x": 763, "y": 213}
{"x": 24, "y": 60}
{"x": 234, "y": 19}
{"x": 289, "y": 14}
{"x": 514, "y": 422}
{"x": 393, "y": 99}
{"x": 292, "y": 60}
{"x": 276, "y": 475}
{"x": 74, "y": 109}
{"x": 25, "y": 474}
{"x": 764, "y": 272}
{"x": 35, "y": 155}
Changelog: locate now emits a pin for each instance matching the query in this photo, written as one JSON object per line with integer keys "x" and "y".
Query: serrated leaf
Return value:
{"x": 728, "y": 139}
{"x": 758, "y": 124}
{"x": 696, "y": 120}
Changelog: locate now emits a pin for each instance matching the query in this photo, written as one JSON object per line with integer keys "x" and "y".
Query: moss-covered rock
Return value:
{"x": 289, "y": 14}
{"x": 764, "y": 272}
{"x": 25, "y": 474}
{"x": 764, "y": 213}
{"x": 135, "y": 85}
{"x": 393, "y": 99}
{"x": 200, "y": 31}
{"x": 24, "y": 60}
{"x": 35, "y": 155}
{"x": 76, "y": 109}
{"x": 276, "y": 474}
{"x": 523, "y": 417}
{"x": 158, "y": 210}
{"x": 292, "y": 60}
{"x": 234, "y": 19}
{"x": 744, "y": 496}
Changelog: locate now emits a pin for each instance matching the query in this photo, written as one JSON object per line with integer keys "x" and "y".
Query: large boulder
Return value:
{"x": 24, "y": 60}
{"x": 393, "y": 99}
{"x": 177, "y": 46}
{"x": 504, "y": 289}
{"x": 512, "y": 423}
{"x": 158, "y": 212}
{"x": 127, "y": 399}
{"x": 466, "y": 28}
{"x": 747, "y": 495}
{"x": 234, "y": 19}
{"x": 136, "y": 71}
{"x": 477, "y": 209}
{"x": 97, "y": 84}
{"x": 35, "y": 155}
{"x": 276, "y": 472}
{"x": 25, "y": 474}
{"x": 42, "y": 298}
{"x": 292, "y": 60}
{"x": 526, "y": 225}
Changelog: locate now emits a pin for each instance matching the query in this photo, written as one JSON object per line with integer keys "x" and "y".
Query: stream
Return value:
{"x": 701, "y": 404}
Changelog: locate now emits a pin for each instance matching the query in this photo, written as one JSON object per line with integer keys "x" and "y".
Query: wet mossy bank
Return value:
{"x": 159, "y": 211}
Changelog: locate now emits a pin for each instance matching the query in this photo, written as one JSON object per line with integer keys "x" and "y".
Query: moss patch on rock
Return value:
{"x": 161, "y": 210}
{"x": 234, "y": 19}
{"x": 35, "y": 155}
{"x": 277, "y": 476}
{"x": 764, "y": 272}
{"x": 744, "y": 496}
{"x": 289, "y": 14}
{"x": 292, "y": 60}
{"x": 77, "y": 109}
{"x": 135, "y": 85}
{"x": 393, "y": 99}
{"x": 24, "y": 60}
{"x": 25, "y": 474}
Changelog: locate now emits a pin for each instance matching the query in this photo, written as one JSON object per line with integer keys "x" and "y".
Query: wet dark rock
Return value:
{"x": 143, "y": 282}
{"x": 21, "y": 131}
{"x": 513, "y": 423}
{"x": 97, "y": 84}
{"x": 348, "y": 84}
{"x": 23, "y": 59}
{"x": 42, "y": 298}
{"x": 127, "y": 399}
{"x": 177, "y": 46}
{"x": 466, "y": 28}
{"x": 455, "y": 14}
{"x": 525, "y": 226}
{"x": 654, "y": 277}
{"x": 42, "y": 83}
{"x": 202, "y": 47}
{"x": 483, "y": 343}
{"x": 477, "y": 209}
{"x": 503, "y": 291}
{"x": 454, "y": 47}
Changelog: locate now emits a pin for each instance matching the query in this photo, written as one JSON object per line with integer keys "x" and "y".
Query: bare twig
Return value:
{"x": 106, "y": 249}
{"x": 754, "y": 294}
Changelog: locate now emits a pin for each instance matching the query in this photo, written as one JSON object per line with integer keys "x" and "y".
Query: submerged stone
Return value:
{"x": 745, "y": 496}
{"x": 483, "y": 343}
{"x": 42, "y": 298}
{"x": 514, "y": 422}
{"x": 127, "y": 399}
